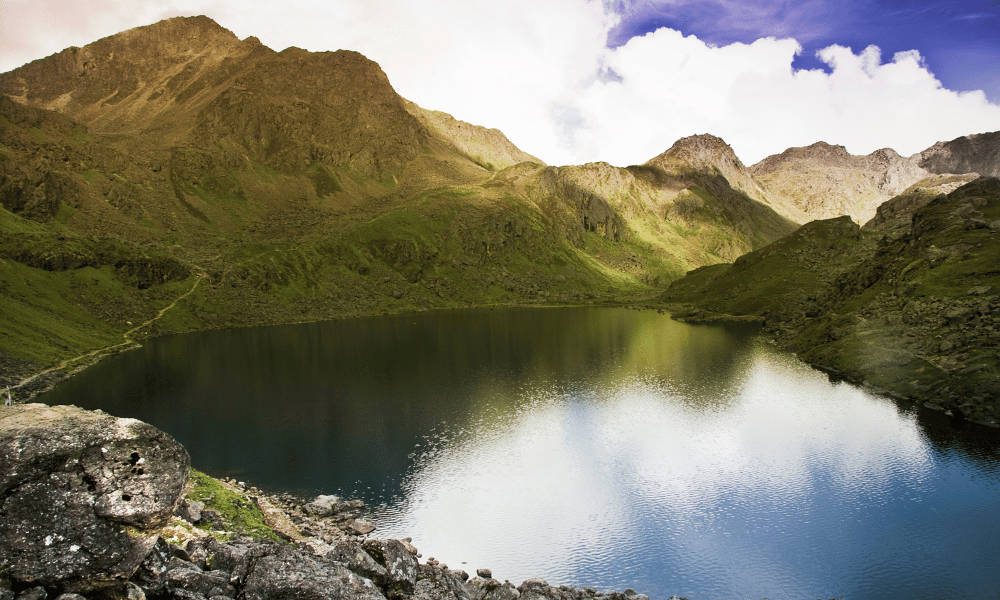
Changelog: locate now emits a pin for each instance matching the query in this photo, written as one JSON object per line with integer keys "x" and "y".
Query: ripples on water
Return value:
{"x": 594, "y": 447}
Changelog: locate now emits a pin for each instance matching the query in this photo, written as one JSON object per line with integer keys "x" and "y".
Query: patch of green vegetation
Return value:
{"x": 65, "y": 212}
{"x": 324, "y": 182}
{"x": 38, "y": 135}
{"x": 42, "y": 321}
{"x": 90, "y": 175}
{"x": 238, "y": 511}
{"x": 79, "y": 137}
{"x": 14, "y": 224}
{"x": 5, "y": 151}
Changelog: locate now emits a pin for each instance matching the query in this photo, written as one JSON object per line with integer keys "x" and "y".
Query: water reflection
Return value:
{"x": 598, "y": 447}
{"x": 644, "y": 482}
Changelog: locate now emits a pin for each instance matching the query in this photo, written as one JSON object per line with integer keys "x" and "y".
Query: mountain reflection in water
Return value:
{"x": 588, "y": 446}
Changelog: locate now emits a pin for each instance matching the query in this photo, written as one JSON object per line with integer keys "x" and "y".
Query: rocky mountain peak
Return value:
{"x": 708, "y": 155}
{"x": 123, "y": 83}
{"x": 823, "y": 181}
{"x": 699, "y": 151}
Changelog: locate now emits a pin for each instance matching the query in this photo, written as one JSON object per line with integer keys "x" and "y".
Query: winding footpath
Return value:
{"x": 126, "y": 337}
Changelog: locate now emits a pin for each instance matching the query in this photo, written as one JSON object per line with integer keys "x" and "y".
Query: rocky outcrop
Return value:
{"x": 894, "y": 216}
{"x": 82, "y": 495}
{"x": 978, "y": 153}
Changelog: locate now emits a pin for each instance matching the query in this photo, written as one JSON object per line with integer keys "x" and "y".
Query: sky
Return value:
{"x": 575, "y": 81}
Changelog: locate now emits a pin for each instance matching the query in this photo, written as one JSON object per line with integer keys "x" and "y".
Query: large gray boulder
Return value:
{"x": 291, "y": 575}
{"x": 82, "y": 494}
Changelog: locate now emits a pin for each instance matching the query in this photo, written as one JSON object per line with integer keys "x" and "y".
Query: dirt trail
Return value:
{"x": 126, "y": 341}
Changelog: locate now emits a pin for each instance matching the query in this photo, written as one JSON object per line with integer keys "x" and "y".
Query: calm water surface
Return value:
{"x": 591, "y": 446}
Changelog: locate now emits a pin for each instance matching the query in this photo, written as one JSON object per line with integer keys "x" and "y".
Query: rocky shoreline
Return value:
{"x": 96, "y": 507}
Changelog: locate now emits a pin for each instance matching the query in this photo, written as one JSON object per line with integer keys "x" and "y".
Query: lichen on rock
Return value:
{"x": 82, "y": 494}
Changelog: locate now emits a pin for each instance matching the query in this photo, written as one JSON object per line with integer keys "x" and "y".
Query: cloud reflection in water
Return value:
{"x": 626, "y": 482}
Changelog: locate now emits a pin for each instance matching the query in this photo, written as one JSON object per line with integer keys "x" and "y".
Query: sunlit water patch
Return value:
{"x": 593, "y": 447}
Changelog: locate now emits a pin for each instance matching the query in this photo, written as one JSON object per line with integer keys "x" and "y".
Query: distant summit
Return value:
{"x": 823, "y": 181}
{"x": 709, "y": 154}
{"x": 978, "y": 153}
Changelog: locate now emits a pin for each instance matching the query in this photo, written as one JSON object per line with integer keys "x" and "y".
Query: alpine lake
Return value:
{"x": 589, "y": 446}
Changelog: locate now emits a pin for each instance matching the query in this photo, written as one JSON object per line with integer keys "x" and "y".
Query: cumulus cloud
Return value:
{"x": 749, "y": 94}
{"x": 542, "y": 72}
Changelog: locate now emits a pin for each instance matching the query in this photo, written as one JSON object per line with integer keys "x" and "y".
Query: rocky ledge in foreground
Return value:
{"x": 92, "y": 506}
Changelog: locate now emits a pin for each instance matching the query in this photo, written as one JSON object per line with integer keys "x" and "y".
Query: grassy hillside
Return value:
{"x": 916, "y": 314}
{"x": 174, "y": 178}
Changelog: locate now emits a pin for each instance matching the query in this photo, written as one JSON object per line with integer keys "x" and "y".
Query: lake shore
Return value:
{"x": 148, "y": 527}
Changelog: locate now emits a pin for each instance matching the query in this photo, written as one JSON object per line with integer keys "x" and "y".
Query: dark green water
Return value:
{"x": 588, "y": 446}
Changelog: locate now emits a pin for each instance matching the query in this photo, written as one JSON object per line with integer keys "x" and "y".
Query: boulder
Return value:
{"x": 293, "y": 575}
{"x": 401, "y": 566}
{"x": 437, "y": 583}
{"x": 82, "y": 494}
{"x": 360, "y": 527}
{"x": 352, "y": 556}
{"x": 322, "y": 506}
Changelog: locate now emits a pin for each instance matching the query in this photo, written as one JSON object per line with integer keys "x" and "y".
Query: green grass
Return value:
{"x": 38, "y": 135}
{"x": 42, "y": 322}
{"x": 236, "y": 509}
{"x": 324, "y": 181}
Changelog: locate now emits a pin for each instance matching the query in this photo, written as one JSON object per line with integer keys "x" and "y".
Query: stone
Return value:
{"x": 83, "y": 494}
{"x": 152, "y": 571}
{"x": 532, "y": 583}
{"x": 491, "y": 589}
{"x": 436, "y": 583}
{"x": 206, "y": 583}
{"x": 484, "y": 573}
{"x": 293, "y": 575}
{"x": 958, "y": 315}
{"x": 322, "y": 506}
{"x": 353, "y": 556}
{"x": 401, "y": 566}
{"x": 360, "y": 527}
{"x": 35, "y": 593}
{"x": 190, "y": 510}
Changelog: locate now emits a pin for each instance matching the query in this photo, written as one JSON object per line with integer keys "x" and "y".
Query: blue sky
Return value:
{"x": 574, "y": 81}
{"x": 960, "y": 41}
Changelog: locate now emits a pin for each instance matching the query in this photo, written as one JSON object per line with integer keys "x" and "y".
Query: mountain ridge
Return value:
{"x": 177, "y": 165}
{"x": 823, "y": 180}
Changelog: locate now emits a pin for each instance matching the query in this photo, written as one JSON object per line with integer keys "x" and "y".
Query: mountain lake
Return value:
{"x": 588, "y": 446}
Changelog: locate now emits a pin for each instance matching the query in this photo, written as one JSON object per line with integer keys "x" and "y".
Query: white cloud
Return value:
{"x": 750, "y": 96}
{"x": 540, "y": 72}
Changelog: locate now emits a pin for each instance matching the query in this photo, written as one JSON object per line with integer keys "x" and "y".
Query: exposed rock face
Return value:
{"x": 895, "y": 215}
{"x": 978, "y": 153}
{"x": 82, "y": 494}
{"x": 823, "y": 181}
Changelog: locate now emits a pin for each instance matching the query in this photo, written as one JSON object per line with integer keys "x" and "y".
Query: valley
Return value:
{"x": 176, "y": 165}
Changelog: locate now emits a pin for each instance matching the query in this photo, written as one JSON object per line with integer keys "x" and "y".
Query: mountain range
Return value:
{"x": 177, "y": 167}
